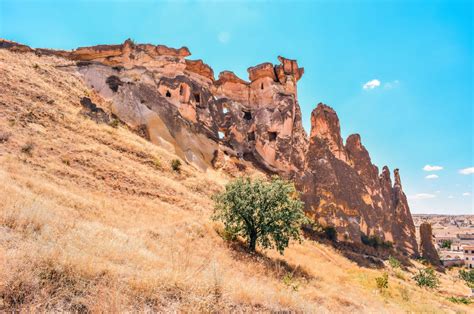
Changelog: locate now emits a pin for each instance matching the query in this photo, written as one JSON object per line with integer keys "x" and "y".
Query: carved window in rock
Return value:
{"x": 261, "y": 86}
{"x": 251, "y": 136}
{"x": 221, "y": 135}
{"x": 272, "y": 136}
{"x": 197, "y": 98}
{"x": 168, "y": 93}
{"x": 247, "y": 115}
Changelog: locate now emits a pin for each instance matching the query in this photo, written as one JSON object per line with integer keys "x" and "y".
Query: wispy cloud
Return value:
{"x": 432, "y": 176}
{"x": 467, "y": 171}
{"x": 224, "y": 37}
{"x": 450, "y": 196}
{"x": 421, "y": 196}
{"x": 432, "y": 168}
{"x": 392, "y": 84}
{"x": 371, "y": 84}
{"x": 466, "y": 194}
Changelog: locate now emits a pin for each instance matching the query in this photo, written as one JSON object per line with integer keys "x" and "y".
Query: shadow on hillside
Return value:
{"x": 276, "y": 266}
{"x": 361, "y": 254}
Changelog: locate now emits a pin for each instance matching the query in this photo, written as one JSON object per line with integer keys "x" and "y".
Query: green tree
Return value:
{"x": 446, "y": 244}
{"x": 265, "y": 212}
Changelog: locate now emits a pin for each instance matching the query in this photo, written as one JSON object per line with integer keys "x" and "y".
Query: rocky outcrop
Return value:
{"x": 341, "y": 187}
{"x": 229, "y": 123}
{"x": 427, "y": 248}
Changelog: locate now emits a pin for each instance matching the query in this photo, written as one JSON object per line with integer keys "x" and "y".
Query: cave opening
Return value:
{"x": 272, "y": 136}
{"x": 181, "y": 90}
{"x": 247, "y": 115}
{"x": 168, "y": 93}
{"x": 197, "y": 98}
{"x": 261, "y": 86}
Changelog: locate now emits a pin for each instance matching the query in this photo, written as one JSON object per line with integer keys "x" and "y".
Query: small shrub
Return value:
{"x": 28, "y": 148}
{"x": 446, "y": 244}
{"x": 114, "y": 123}
{"x": 289, "y": 281}
{"x": 36, "y": 66}
{"x": 426, "y": 278}
{"x": 176, "y": 165}
{"x": 462, "y": 300}
{"x": 382, "y": 282}
{"x": 157, "y": 164}
{"x": 330, "y": 233}
{"x": 394, "y": 263}
{"x": 468, "y": 277}
{"x": 399, "y": 274}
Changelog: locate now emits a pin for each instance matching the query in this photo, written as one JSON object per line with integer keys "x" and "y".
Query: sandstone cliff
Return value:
{"x": 229, "y": 122}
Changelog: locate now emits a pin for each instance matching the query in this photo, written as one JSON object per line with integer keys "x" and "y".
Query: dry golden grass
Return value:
{"x": 93, "y": 218}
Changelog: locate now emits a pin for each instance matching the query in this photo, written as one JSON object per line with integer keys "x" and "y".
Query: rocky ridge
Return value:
{"x": 230, "y": 123}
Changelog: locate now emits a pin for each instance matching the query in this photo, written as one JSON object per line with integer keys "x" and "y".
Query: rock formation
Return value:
{"x": 226, "y": 121}
{"x": 427, "y": 248}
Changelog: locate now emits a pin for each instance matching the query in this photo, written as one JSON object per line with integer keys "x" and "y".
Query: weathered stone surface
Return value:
{"x": 231, "y": 124}
{"x": 427, "y": 248}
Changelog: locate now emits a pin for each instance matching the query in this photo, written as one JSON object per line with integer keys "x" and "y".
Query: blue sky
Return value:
{"x": 415, "y": 56}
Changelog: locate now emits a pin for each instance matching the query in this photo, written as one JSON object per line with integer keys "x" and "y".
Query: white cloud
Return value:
{"x": 421, "y": 196}
{"x": 466, "y": 194}
{"x": 467, "y": 171}
{"x": 438, "y": 191}
{"x": 450, "y": 196}
{"x": 371, "y": 84}
{"x": 223, "y": 37}
{"x": 392, "y": 84}
{"x": 432, "y": 168}
{"x": 432, "y": 176}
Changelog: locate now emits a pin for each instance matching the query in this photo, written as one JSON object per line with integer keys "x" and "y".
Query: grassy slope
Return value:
{"x": 90, "y": 219}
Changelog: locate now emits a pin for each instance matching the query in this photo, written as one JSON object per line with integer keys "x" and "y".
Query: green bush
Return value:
{"x": 265, "y": 212}
{"x": 382, "y": 282}
{"x": 176, "y": 165}
{"x": 375, "y": 241}
{"x": 468, "y": 277}
{"x": 330, "y": 232}
{"x": 394, "y": 263}
{"x": 114, "y": 123}
{"x": 462, "y": 300}
{"x": 446, "y": 244}
{"x": 426, "y": 278}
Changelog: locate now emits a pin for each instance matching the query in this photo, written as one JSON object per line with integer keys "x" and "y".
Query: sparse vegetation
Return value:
{"x": 290, "y": 281}
{"x": 446, "y": 244}
{"x": 394, "y": 263}
{"x": 157, "y": 163}
{"x": 462, "y": 300}
{"x": 265, "y": 212}
{"x": 382, "y": 282}
{"x": 468, "y": 277}
{"x": 176, "y": 165}
{"x": 114, "y": 123}
{"x": 426, "y": 278}
{"x": 376, "y": 242}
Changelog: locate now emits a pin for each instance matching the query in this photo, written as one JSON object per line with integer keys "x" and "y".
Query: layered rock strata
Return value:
{"x": 213, "y": 122}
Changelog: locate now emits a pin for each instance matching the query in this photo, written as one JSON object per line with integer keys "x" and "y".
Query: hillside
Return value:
{"x": 93, "y": 218}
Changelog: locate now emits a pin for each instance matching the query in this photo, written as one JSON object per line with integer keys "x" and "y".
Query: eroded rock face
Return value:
{"x": 341, "y": 187}
{"x": 230, "y": 122}
{"x": 427, "y": 248}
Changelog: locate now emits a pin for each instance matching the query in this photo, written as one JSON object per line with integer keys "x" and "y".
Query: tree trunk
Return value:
{"x": 252, "y": 241}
